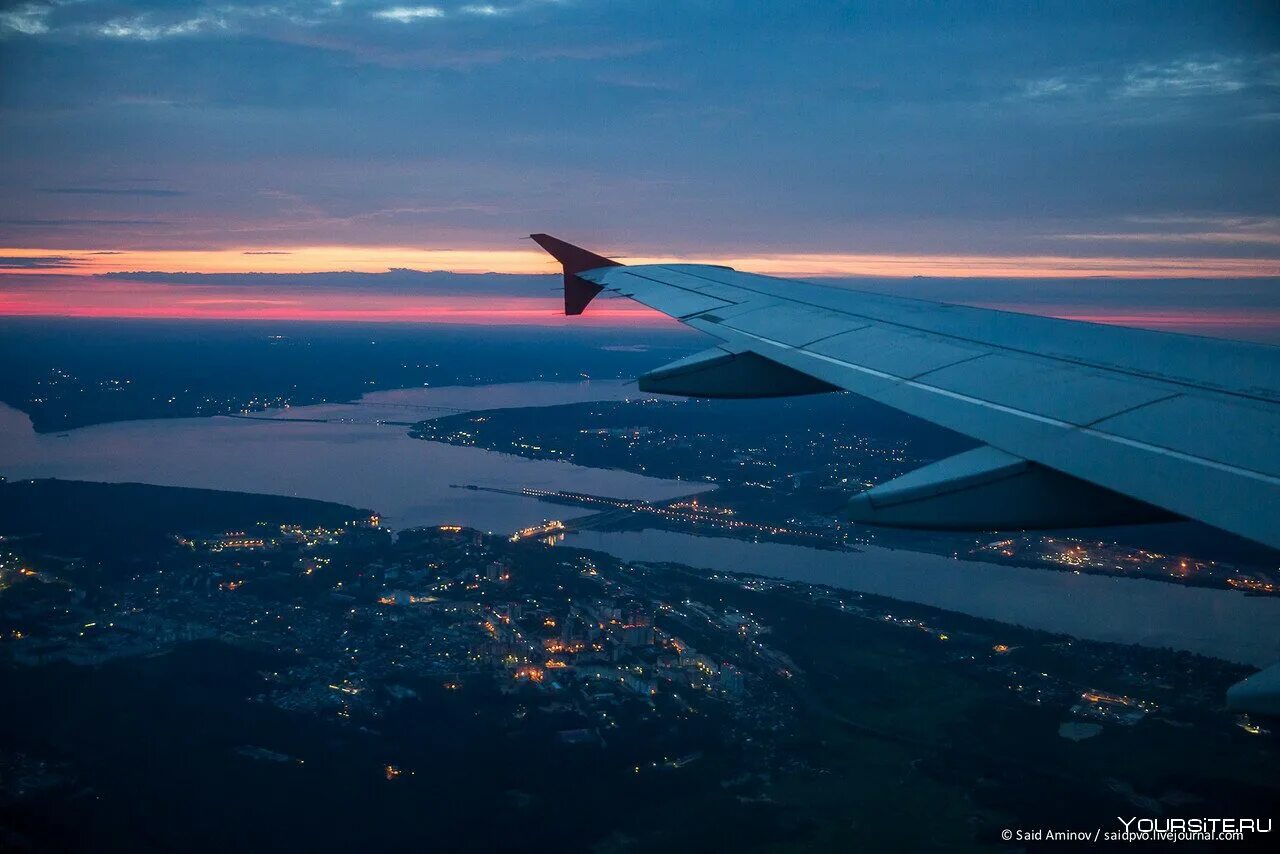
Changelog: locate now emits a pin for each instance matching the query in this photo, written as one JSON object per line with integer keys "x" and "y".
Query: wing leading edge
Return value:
{"x": 1083, "y": 424}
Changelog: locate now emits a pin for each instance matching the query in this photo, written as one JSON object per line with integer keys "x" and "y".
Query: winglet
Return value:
{"x": 577, "y": 291}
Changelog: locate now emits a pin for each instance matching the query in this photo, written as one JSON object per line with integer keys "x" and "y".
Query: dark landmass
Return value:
{"x": 791, "y": 463}
{"x": 72, "y": 373}
{"x": 333, "y": 688}
{"x": 77, "y": 517}
{"x": 833, "y": 441}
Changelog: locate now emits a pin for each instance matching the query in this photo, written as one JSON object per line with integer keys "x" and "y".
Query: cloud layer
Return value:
{"x": 710, "y": 128}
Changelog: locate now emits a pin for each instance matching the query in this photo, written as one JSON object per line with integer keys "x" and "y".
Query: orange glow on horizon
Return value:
{"x": 73, "y": 292}
{"x": 478, "y": 316}
{"x": 377, "y": 259}
{"x": 288, "y": 259}
{"x": 83, "y": 297}
{"x": 116, "y": 299}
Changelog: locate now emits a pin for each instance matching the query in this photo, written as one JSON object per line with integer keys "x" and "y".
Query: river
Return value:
{"x": 348, "y": 453}
{"x": 351, "y": 457}
{"x": 1221, "y": 623}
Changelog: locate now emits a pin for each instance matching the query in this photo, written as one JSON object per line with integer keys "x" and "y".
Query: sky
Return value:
{"x": 1040, "y": 140}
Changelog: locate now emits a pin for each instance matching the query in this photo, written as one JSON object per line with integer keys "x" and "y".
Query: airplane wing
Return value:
{"x": 1081, "y": 424}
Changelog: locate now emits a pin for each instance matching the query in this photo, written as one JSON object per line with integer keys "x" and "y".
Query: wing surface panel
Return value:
{"x": 1045, "y": 387}
{"x": 796, "y": 325}
{"x": 895, "y": 351}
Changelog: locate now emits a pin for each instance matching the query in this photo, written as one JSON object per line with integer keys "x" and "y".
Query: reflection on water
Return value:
{"x": 351, "y": 459}
{"x": 1221, "y": 623}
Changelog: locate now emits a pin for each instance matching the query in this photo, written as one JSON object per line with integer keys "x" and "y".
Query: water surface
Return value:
{"x": 352, "y": 458}
{"x": 1220, "y": 623}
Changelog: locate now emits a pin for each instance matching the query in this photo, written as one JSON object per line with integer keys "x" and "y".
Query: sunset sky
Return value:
{"x": 1135, "y": 140}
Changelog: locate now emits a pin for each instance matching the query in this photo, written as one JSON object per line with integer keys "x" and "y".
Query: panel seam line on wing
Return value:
{"x": 1110, "y": 437}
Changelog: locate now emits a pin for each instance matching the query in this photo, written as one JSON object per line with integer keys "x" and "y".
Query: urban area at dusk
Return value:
{"x": 909, "y": 483}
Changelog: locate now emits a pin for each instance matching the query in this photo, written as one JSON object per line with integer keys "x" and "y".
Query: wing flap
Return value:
{"x": 1257, "y": 695}
{"x": 729, "y": 373}
{"x": 988, "y": 489}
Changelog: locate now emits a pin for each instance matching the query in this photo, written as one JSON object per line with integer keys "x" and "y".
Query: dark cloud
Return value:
{"x": 145, "y": 192}
{"x": 709, "y": 126}
{"x": 36, "y": 262}
{"x": 79, "y": 221}
{"x": 392, "y": 281}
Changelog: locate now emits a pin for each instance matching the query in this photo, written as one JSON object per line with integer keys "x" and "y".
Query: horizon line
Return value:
{"x": 382, "y": 259}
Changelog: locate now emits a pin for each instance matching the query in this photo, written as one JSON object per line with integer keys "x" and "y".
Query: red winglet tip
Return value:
{"x": 578, "y": 292}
